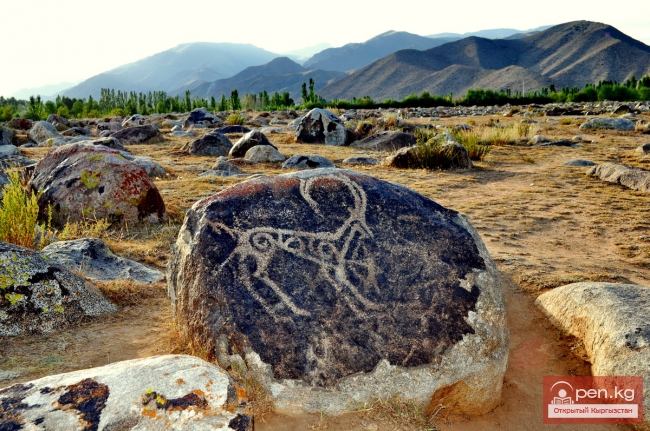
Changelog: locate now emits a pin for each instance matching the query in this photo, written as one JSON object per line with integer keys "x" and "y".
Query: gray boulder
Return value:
{"x": 133, "y": 121}
{"x": 538, "y": 139}
{"x": 360, "y": 161}
{"x": 7, "y": 136}
{"x": 171, "y": 392}
{"x": 608, "y": 124}
{"x": 109, "y": 126}
{"x": 612, "y": 322}
{"x": 320, "y": 126}
{"x": 200, "y": 117}
{"x": 223, "y": 168}
{"x": 139, "y": 135}
{"x": 20, "y": 124}
{"x": 385, "y": 141}
{"x": 15, "y": 162}
{"x": 153, "y": 169}
{"x": 632, "y": 178}
{"x": 264, "y": 154}
{"x": 110, "y": 142}
{"x": 643, "y": 149}
{"x": 42, "y": 131}
{"x": 406, "y": 157}
{"x": 93, "y": 258}
{"x": 40, "y": 296}
{"x": 307, "y": 161}
{"x": 213, "y": 144}
{"x": 579, "y": 163}
{"x": 9, "y": 150}
{"x": 336, "y": 287}
{"x": 248, "y": 141}
{"x": 75, "y": 131}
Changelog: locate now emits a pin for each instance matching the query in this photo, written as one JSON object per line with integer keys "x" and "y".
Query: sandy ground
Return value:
{"x": 545, "y": 225}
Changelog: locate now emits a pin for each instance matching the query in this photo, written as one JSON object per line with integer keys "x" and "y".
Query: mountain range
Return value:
{"x": 391, "y": 65}
{"x": 570, "y": 54}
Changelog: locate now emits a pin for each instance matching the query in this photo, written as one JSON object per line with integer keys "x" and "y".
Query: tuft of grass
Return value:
{"x": 527, "y": 159}
{"x": 396, "y": 412}
{"x": 19, "y": 217}
{"x": 257, "y": 394}
{"x": 127, "y": 293}
{"x": 566, "y": 121}
{"x": 430, "y": 152}
{"x": 236, "y": 119}
{"x": 85, "y": 229}
{"x": 472, "y": 143}
{"x": 390, "y": 121}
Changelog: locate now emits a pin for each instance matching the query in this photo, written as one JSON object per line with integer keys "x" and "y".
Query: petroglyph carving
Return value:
{"x": 336, "y": 254}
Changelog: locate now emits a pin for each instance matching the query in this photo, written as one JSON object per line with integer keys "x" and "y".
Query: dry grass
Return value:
{"x": 127, "y": 293}
{"x": 396, "y": 413}
{"x": 257, "y": 394}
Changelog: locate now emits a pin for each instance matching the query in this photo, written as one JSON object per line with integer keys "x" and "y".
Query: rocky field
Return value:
{"x": 407, "y": 298}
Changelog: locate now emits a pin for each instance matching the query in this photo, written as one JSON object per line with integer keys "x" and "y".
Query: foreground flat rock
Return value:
{"x": 172, "y": 392}
{"x": 342, "y": 287}
{"x": 93, "y": 258}
{"x": 40, "y": 296}
{"x": 633, "y": 178}
{"x": 612, "y": 322}
{"x": 81, "y": 180}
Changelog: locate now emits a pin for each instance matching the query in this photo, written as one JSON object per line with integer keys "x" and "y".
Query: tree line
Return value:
{"x": 123, "y": 103}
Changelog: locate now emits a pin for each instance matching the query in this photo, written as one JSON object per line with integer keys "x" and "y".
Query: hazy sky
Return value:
{"x": 47, "y": 42}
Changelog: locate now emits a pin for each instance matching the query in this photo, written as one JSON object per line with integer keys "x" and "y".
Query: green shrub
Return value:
{"x": 431, "y": 152}
{"x": 19, "y": 216}
{"x": 236, "y": 119}
{"x": 472, "y": 143}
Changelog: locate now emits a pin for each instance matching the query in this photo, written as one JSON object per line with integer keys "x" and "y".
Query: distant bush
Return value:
{"x": 19, "y": 217}
{"x": 236, "y": 119}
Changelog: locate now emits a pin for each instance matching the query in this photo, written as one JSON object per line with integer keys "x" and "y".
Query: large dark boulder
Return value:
{"x": 200, "y": 117}
{"x": 320, "y": 126}
{"x": 84, "y": 180}
{"x": 385, "y": 141}
{"x": 233, "y": 129}
{"x": 39, "y": 296}
{"x": 139, "y": 135}
{"x": 211, "y": 144}
{"x": 170, "y": 392}
{"x": 346, "y": 286}
{"x": 248, "y": 141}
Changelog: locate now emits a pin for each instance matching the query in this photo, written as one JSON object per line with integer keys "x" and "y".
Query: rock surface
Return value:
{"x": 360, "y": 161}
{"x": 264, "y": 154}
{"x": 9, "y": 150}
{"x": 39, "y": 296}
{"x": 608, "y": 124}
{"x": 320, "y": 126}
{"x": 153, "y": 169}
{"x": 200, "y": 117}
{"x": 307, "y": 161}
{"x": 7, "y": 136}
{"x": 41, "y": 131}
{"x": 643, "y": 149}
{"x": 211, "y": 144}
{"x": 404, "y": 158}
{"x": 93, "y": 258}
{"x": 340, "y": 288}
{"x": 386, "y": 141}
{"x": 633, "y": 178}
{"x": 612, "y": 322}
{"x": 172, "y": 392}
{"x": 139, "y": 135}
{"x": 86, "y": 180}
{"x": 579, "y": 162}
{"x": 248, "y": 141}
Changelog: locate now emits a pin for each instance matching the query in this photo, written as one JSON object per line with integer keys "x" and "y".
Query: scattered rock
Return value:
{"x": 360, "y": 161}
{"x": 643, "y": 149}
{"x": 81, "y": 180}
{"x": 264, "y": 154}
{"x": 75, "y": 131}
{"x": 211, "y": 144}
{"x": 200, "y": 117}
{"x": 133, "y": 121}
{"x": 385, "y": 141}
{"x": 579, "y": 162}
{"x": 538, "y": 139}
{"x": 458, "y": 153}
{"x": 110, "y": 142}
{"x": 233, "y": 129}
{"x": 139, "y": 135}
{"x": 404, "y": 158}
{"x": 153, "y": 169}
{"x": 15, "y": 162}
{"x": 7, "y": 136}
{"x": 320, "y": 126}
{"x": 271, "y": 130}
{"x": 307, "y": 161}
{"x": 171, "y": 392}
{"x": 9, "y": 375}
{"x": 9, "y": 150}
{"x": 225, "y": 168}
{"x": 561, "y": 143}
{"x": 109, "y": 126}
{"x": 40, "y": 296}
{"x": 577, "y": 139}
{"x": 42, "y": 131}
{"x": 611, "y": 320}
{"x": 340, "y": 288}
{"x": 633, "y": 178}
{"x": 248, "y": 141}
{"x": 607, "y": 123}
{"x": 20, "y": 124}
{"x": 93, "y": 258}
